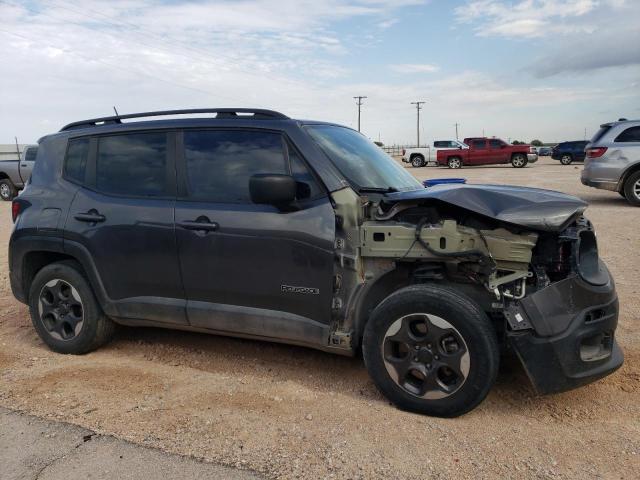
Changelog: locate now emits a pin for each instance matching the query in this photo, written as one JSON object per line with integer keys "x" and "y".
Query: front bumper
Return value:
{"x": 571, "y": 340}
{"x": 532, "y": 157}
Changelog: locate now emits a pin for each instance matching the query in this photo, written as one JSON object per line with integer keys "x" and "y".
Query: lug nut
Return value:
{"x": 429, "y": 366}
{"x": 436, "y": 357}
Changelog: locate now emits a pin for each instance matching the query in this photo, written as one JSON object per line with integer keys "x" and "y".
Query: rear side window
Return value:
{"x": 30, "y": 154}
{"x": 220, "y": 163}
{"x": 443, "y": 144}
{"x": 495, "y": 143}
{"x": 76, "y": 159}
{"x": 479, "y": 144}
{"x": 132, "y": 164}
{"x": 631, "y": 134}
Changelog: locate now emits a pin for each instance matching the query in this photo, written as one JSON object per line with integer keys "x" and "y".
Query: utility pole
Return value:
{"x": 359, "y": 103}
{"x": 456, "y": 125}
{"x": 418, "y": 108}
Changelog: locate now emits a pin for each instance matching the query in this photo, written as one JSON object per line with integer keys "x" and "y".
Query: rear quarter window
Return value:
{"x": 75, "y": 161}
{"x": 631, "y": 134}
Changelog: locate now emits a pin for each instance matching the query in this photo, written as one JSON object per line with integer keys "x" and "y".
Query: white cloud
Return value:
{"x": 414, "y": 68}
{"x": 527, "y": 18}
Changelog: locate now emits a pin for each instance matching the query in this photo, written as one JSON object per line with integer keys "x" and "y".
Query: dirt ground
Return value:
{"x": 292, "y": 412}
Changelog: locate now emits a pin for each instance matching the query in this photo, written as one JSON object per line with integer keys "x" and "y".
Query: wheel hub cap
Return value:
{"x": 426, "y": 356}
{"x": 60, "y": 309}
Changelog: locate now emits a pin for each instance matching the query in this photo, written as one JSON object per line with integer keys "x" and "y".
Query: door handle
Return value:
{"x": 206, "y": 225}
{"x": 91, "y": 216}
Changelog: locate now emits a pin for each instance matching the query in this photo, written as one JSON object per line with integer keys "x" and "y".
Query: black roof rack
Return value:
{"x": 257, "y": 113}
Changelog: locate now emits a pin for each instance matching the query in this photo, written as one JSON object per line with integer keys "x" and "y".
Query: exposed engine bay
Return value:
{"x": 425, "y": 239}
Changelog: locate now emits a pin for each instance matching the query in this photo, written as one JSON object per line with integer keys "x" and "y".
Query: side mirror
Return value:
{"x": 272, "y": 189}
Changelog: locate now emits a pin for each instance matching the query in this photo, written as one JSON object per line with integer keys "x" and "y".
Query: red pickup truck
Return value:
{"x": 487, "y": 151}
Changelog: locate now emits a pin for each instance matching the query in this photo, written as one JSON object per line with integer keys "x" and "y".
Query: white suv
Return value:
{"x": 613, "y": 159}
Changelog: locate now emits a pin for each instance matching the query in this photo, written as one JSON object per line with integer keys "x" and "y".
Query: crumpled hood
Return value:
{"x": 533, "y": 208}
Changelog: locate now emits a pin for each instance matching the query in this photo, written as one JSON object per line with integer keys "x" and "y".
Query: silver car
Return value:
{"x": 613, "y": 159}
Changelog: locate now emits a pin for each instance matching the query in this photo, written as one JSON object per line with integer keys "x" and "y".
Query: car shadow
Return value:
{"x": 263, "y": 361}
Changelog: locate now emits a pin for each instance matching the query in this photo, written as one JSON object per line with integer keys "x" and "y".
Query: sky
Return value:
{"x": 521, "y": 69}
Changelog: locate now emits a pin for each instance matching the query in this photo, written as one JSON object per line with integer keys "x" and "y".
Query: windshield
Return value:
{"x": 363, "y": 163}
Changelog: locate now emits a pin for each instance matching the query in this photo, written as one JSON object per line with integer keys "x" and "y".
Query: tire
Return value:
{"x": 632, "y": 189}
{"x": 566, "y": 159}
{"x": 417, "y": 161}
{"x": 519, "y": 160}
{"x": 463, "y": 328}
{"x": 64, "y": 310}
{"x": 454, "y": 162}
{"x": 8, "y": 190}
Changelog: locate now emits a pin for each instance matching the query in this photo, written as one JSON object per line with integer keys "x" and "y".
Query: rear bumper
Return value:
{"x": 405, "y": 159}
{"x": 571, "y": 342}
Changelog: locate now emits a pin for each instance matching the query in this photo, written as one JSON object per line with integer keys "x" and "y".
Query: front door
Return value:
{"x": 122, "y": 218}
{"x": 498, "y": 151}
{"x": 252, "y": 269}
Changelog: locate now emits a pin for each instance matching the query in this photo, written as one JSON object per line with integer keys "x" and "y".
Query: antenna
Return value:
{"x": 115, "y": 110}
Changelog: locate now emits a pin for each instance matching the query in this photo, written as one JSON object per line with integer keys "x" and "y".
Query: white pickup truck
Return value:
{"x": 421, "y": 156}
{"x": 16, "y": 163}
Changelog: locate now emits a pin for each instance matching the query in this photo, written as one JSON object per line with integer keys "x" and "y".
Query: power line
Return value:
{"x": 359, "y": 103}
{"x": 418, "y": 108}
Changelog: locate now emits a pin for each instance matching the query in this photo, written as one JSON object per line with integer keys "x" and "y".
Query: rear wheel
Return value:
{"x": 431, "y": 350}
{"x": 64, "y": 310}
{"x": 454, "y": 162}
{"x": 417, "y": 161}
{"x": 566, "y": 159}
{"x": 7, "y": 190}
{"x": 518, "y": 160}
{"x": 632, "y": 189}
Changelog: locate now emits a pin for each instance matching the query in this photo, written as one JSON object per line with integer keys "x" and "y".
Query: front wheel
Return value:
{"x": 566, "y": 159}
{"x": 518, "y": 160}
{"x": 417, "y": 161}
{"x": 454, "y": 162}
{"x": 7, "y": 190}
{"x": 431, "y": 350}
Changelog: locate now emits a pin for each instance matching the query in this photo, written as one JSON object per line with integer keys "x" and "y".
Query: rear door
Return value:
{"x": 479, "y": 154}
{"x": 578, "y": 150}
{"x": 122, "y": 219}
{"x": 247, "y": 268}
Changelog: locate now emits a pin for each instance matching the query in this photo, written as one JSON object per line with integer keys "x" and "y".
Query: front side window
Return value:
{"x": 220, "y": 163}
{"x": 362, "y": 163}
{"x": 132, "y": 164}
{"x": 76, "y": 159}
{"x": 631, "y": 134}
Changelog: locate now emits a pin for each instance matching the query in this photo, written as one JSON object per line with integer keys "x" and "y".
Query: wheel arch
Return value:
{"x": 626, "y": 174}
{"x": 30, "y": 254}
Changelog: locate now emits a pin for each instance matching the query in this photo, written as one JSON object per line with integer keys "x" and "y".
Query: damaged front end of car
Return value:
{"x": 529, "y": 257}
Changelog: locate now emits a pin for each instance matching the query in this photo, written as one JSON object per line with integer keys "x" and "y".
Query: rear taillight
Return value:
{"x": 15, "y": 210}
{"x": 403, "y": 152}
{"x": 596, "y": 152}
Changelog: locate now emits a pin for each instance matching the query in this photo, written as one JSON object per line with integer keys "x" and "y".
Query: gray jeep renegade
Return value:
{"x": 248, "y": 223}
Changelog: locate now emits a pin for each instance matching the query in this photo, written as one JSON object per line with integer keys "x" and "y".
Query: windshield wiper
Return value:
{"x": 377, "y": 189}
